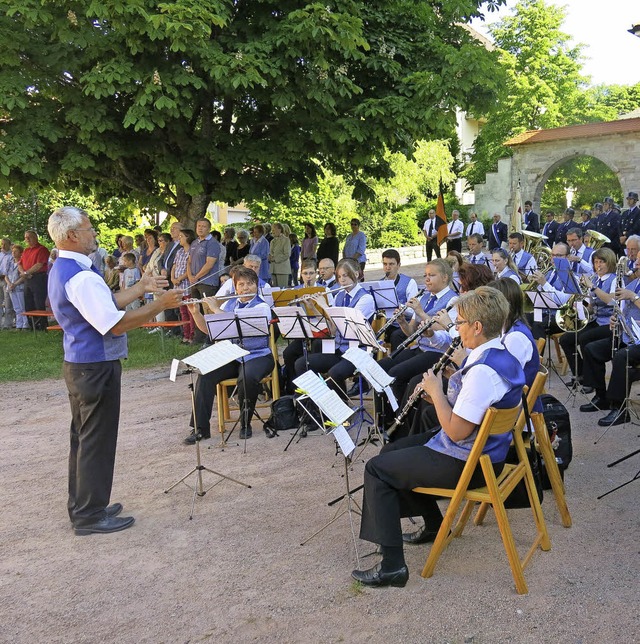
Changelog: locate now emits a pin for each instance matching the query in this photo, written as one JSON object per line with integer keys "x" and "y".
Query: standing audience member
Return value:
{"x": 243, "y": 246}
{"x": 149, "y": 250}
{"x": 474, "y": 227}
{"x": 14, "y": 281}
{"x": 118, "y": 249}
{"x": 33, "y": 265}
{"x": 430, "y": 231}
{"x": 279, "y": 254}
{"x": 111, "y": 273}
{"x": 531, "y": 219}
{"x": 94, "y": 339}
{"x": 330, "y": 246}
{"x": 231, "y": 246}
{"x": 130, "y": 277}
{"x": 6, "y": 309}
{"x": 202, "y": 266}
{"x": 260, "y": 247}
{"x": 294, "y": 259}
{"x": 497, "y": 234}
{"x": 180, "y": 280}
{"x": 97, "y": 258}
{"x": 309, "y": 242}
{"x": 455, "y": 229}
{"x": 355, "y": 246}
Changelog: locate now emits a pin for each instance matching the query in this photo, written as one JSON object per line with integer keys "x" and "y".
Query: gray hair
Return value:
{"x": 64, "y": 220}
{"x": 635, "y": 238}
{"x": 253, "y": 258}
{"x": 242, "y": 234}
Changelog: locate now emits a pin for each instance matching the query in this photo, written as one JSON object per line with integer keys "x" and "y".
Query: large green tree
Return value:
{"x": 541, "y": 81}
{"x": 175, "y": 103}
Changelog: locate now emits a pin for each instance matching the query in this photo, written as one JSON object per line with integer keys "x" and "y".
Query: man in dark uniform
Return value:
{"x": 630, "y": 219}
{"x": 587, "y": 222}
{"x": 531, "y": 219}
{"x": 609, "y": 224}
{"x": 498, "y": 233}
{"x": 563, "y": 228}
{"x": 550, "y": 228}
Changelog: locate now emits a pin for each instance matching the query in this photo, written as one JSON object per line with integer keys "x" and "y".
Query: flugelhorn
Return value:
{"x": 416, "y": 395}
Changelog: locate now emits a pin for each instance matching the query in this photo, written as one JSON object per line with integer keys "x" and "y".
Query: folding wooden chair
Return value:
{"x": 222, "y": 392}
{"x": 495, "y": 492}
{"x": 540, "y": 343}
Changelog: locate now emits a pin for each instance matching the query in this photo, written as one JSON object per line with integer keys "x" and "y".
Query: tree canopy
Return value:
{"x": 174, "y": 104}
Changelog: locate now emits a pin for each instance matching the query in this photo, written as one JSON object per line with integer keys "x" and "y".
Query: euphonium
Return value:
{"x": 534, "y": 245}
{"x": 594, "y": 239}
{"x": 567, "y": 316}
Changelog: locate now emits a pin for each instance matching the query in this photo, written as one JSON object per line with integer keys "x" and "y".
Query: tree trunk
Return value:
{"x": 189, "y": 209}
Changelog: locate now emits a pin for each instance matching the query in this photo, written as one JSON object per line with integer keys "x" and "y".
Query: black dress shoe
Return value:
{"x": 614, "y": 417}
{"x": 419, "y": 536}
{"x": 376, "y": 578}
{"x": 191, "y": 439}
{"x": 586, "y": 390}
{"x": 245, "y": 432}
{"x": 104, "y": 526}
{"x": 354, "y": 391}
{"x": 114, "y": 510}
{"x": 596, "y": 404}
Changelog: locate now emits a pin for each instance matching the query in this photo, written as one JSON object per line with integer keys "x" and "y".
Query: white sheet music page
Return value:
{"x": 373, "y": 373}
{"x": 330, "y": 404}
{"x": 215, "y": 356}
{"x": 345, "y": 442}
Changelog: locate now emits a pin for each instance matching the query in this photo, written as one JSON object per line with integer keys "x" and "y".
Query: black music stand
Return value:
{"x": 204, "y": 361}
{"x": 238, "y": 325}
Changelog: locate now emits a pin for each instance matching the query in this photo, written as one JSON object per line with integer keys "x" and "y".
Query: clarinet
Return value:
{"x": 416, "y": 395}
{"x": 422, "y": 327}
{"x": 397, "y": 314}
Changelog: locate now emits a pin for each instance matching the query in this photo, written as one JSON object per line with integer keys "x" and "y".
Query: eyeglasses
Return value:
{"x": 459, "y": 323}
{"x": 93, "y": 230}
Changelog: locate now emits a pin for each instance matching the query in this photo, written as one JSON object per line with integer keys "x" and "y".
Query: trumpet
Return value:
{"x": 416, "y": 395}
{"x": 399, "y": 312}
{"x": 422, "y": 327}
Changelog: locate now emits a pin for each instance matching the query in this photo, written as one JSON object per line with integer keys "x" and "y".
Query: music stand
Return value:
{"x": 379, "y": 379}
{"x": 238, "y": 325}
{"x": 545, "y": 301}
{"x": 384, "y": 295}
{"x": 355, "y": 329}
{"x": 337, "y": 412}
{"x": 204, "y": 361}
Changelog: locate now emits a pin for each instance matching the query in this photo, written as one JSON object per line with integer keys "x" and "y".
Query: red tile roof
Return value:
{"x": 576, "y": 132}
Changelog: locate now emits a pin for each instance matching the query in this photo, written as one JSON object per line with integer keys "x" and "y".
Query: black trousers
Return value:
{"x": 291, "y": 353}
{"x": 432, "y": 246}
{"x": 198, "y": 292}
{"x": 596, "y": 356}
{"x": 389, "y": 479}
{"x": 569, "y": 343}
{"x": 94, "y": 395}
{"x": 455, "y": 244}
{"x": 332, "y": 364}
{"x": 35, "y": 298}
{"x": 248, "y": 389}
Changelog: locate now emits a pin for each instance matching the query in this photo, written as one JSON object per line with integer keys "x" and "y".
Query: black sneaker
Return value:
{"x": 191, "y": 439}
{"x": 245, "y": 432}
{"x": 354, "y": 391}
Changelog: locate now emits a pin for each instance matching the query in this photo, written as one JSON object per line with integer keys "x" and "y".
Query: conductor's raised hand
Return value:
{"x": 171, "y": 299}
{"x": 154, "y": 283}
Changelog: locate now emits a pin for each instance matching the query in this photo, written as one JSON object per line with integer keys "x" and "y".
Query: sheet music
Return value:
{"x": 345, "y": 442}
{"x": 635, "y": 330}
{"x": 330, "y": 404}
{"x": 290, "y": 319}
{"x": 385, "y": 295}
{"x": 222, "y": 326}
{"x": 215, "y": 356}
{"x": 352, "y": 325}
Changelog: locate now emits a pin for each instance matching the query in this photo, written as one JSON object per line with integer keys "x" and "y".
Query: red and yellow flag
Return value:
{"x": 441, "y": 219}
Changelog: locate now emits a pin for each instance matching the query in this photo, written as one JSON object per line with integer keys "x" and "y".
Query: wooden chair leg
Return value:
{"x": 464, "y": 518}
{"x": 220, "y": 403}
{"x": 481, "y": 513}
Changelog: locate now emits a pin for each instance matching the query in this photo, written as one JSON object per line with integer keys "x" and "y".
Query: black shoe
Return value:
{"x": 419, "y": 536}
{"x": 269, "y": 431}
{"x": 615, "y": 417}
{"x": 354, "y": 391}
{"x": 114, "y": 510}
{"x": 586, "y": 390}
{"x": 245, "y": 432}
{"x": 375, "y": 578}
{"x": 104, "y": 526}
{"x": 596, "y": 404}
{"x": 191, "y": 439}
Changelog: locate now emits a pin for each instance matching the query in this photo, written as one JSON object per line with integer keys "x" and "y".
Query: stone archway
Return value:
{"x": 536, "y": 154}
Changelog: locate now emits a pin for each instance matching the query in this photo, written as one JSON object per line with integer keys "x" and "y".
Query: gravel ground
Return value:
{"x": 237, "y": 572}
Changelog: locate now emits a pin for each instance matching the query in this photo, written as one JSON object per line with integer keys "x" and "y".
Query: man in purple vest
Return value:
{"x": 94, "y": 324}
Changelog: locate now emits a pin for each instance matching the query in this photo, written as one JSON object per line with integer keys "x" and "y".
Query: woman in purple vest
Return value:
{"x": 258, "y": 364}
{"x": 490, "y": 376}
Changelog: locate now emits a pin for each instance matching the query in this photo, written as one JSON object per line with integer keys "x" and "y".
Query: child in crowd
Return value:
{"x": 130, "y": 276}
{"x": 15, "y": 284}
{"x": 111, "y": 273}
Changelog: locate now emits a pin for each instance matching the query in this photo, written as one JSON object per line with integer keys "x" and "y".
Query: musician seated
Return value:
{"x": 406, "y": 289}
{"x": 524, "y": 261}
{"x": 326, "y": 273}
{"x": 477, "y": 255}
{"x": 599, "y": 352}
{"x": 602, "y": 286}
{"x": 456, "y": 261}
{"x": 579, "y": 254}
{"x": 490, "y": 376}
{"x": 503, "y": 265}
{"x": 333, "y": 364}
{"x": 257, "y": 365}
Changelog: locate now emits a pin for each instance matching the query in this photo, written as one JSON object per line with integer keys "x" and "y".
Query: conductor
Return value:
{"x": 94, "y": 325}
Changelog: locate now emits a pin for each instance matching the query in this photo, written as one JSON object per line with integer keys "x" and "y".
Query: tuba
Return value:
{"x": 534, "y": 245}
{"x": 594, "y": 239}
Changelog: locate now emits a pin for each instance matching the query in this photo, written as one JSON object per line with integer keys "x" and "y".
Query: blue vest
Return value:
{"x": 508, "y": 275}
{"x": 440, "y": 303}
{"x": 524, "y": 259}
{"x": 81, "y": 341}
{"x": 341, "y": 344}
{"x": 401, "y": 283}
{"x": 603, "y": 311}
{"x": 533, "y": 365}
{"x": 257, "y": 346}
{"x": 631, "y": 311}
{"x": 586, "y": 256}
{"x": 509, "y": 369}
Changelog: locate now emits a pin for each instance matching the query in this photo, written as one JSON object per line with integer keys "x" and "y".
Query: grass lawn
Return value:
{"x": 36, "y": 356}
